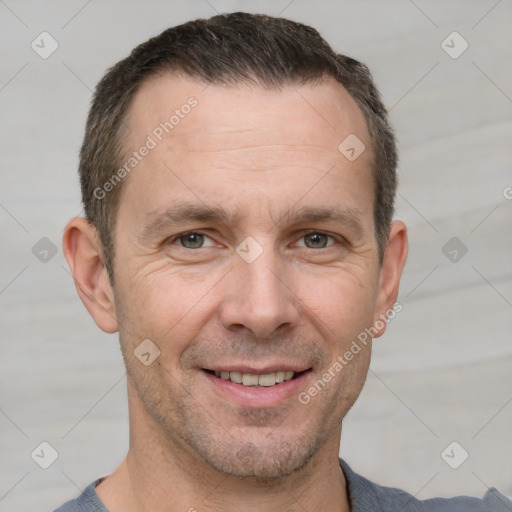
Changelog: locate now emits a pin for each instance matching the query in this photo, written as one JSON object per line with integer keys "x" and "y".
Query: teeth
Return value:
{"x": 235, "y": 377}
{"x": 280, "y": 377}
{"x": 248, "y": 379}
{"x": 269, "y": 379}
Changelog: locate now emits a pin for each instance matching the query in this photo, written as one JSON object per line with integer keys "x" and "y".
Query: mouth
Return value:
{"x": 257, "y": 380}
{"x": 257, "y": 388}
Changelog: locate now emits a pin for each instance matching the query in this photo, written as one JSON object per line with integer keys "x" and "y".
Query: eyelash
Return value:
{"x": 336, "y": 239}
{"x": 183, "y": 235}
{"x": 328, "y": 235}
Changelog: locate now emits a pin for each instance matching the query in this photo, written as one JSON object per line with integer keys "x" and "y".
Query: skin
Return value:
{"x": 264, "y": 157}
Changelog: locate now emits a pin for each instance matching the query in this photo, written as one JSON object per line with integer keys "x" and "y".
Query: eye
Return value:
{"x": 193, "y": 240}
{"x": 316, "y": 240}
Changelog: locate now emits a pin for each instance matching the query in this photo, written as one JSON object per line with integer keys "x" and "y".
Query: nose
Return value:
{"x": 259, "y": 299}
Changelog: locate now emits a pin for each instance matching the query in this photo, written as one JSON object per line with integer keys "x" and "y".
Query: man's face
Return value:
{"x": 245, "y": 244}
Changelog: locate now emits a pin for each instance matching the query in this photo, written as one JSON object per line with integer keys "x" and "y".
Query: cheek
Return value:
{"x": 164, "y": 306}
{"x": 341, "y": 301}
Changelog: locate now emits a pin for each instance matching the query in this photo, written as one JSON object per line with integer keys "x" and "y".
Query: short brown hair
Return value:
{"x": 227, "y": 49}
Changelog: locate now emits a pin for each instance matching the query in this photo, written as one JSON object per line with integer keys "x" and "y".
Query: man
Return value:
{"x": 238, "y": 179}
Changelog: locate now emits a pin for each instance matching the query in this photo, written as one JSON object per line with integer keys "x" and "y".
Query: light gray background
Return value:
{"x": 441, "y": 373}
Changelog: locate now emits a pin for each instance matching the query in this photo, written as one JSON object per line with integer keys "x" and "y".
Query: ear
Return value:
{"x": 390, "y": 274}
{"x": 83, "y": 252}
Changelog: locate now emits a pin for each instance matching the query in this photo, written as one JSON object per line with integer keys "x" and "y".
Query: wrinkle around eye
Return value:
{"x": 172, "y": 250}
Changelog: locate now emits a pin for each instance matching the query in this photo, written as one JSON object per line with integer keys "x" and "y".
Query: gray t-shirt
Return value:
{"x": 364, "y": 496}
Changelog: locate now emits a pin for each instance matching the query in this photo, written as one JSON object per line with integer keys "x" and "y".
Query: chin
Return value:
{"x": 267, "y": 460}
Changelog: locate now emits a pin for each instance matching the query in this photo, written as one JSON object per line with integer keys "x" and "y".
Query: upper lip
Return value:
{"x": 257, "y": 369}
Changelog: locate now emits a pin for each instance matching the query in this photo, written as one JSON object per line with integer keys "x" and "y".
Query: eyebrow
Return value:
{"x": 185, "y": 212}
{"x": 190, "y": 212}
{"x": 348, "y": 217}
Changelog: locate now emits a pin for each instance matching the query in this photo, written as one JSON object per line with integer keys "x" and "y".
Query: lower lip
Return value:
{"x": 257, "y": 397}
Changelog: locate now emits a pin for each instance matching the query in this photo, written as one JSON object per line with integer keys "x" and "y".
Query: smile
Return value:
{"x": 257, "y": 387}
{"x": 253, "y": 380}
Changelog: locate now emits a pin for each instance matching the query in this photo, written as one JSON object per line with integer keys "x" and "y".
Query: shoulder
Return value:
{"x": 365, "y": 495}
{"x": 88, "y": 501}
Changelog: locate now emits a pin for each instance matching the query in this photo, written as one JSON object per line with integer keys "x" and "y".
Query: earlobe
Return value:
{"x": 83, "y": 253}
{"x": 390, "y": 274}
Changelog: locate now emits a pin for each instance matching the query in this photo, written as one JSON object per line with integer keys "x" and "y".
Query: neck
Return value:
{"x": 159, "y": 474}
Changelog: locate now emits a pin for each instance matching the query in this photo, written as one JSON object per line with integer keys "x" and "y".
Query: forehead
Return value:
{"x": 320, "y": 115}
{"x": 277, "y": 142}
